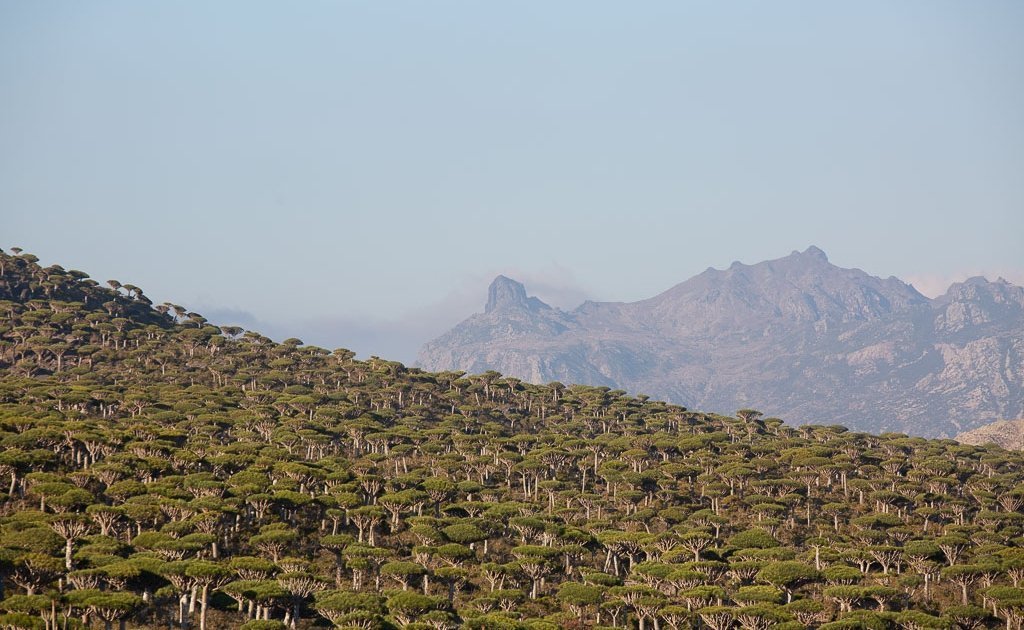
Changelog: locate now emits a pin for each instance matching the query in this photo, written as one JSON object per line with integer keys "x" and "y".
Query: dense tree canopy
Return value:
{"x": 157, "y": 470}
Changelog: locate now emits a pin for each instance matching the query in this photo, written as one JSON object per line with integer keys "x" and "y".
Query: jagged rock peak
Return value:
{"x": 978, "y": 287}
{"x": 505, "y": 292}
{"x": 812, "y": 253}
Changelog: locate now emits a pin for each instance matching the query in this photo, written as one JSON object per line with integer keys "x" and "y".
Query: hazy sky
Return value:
{"x": 355, "y": 173}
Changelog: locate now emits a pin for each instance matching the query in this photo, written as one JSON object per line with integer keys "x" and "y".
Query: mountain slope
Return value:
{"x": 796, "y": 337}
{"x": 1008, "y": 434}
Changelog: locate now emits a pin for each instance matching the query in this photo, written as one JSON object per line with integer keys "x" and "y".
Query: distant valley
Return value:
{"x": 797, "y": 337}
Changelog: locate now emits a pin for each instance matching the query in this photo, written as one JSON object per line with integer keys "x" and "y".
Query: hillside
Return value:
{"x": 1008, "y": 434}
{"x": 159, "y": 471}
{"x": 797, "y": 337}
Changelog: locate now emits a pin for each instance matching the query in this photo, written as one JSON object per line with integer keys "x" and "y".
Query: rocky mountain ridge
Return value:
{"x": 796, "y": 337}
{"x": 1008, "y": 434}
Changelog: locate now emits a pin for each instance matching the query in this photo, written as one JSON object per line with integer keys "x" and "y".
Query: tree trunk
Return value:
{"x": 202, "y": 607}
{"x": 182, "y": 605}
{"x": 67, "y": 554}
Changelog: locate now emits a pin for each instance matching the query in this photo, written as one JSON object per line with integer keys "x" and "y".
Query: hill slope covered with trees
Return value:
{"x": 159, "y": 471}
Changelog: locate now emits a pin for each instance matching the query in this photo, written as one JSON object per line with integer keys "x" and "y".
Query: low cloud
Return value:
{"x": 555, "y": 286}
{"x": 401, "y": 336}
{"x": 398, "y": 340}
{"x": 934, "y": 285}
{"x": 226, "y": 316}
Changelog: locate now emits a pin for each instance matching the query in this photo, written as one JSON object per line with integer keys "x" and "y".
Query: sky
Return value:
{"x": 354, "y": 174}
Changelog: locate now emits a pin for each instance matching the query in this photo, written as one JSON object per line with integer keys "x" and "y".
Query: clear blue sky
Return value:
{"x": 355, "y": 173}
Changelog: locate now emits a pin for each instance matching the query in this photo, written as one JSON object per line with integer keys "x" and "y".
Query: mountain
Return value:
{"x": 1008, "y": 434}
{"x": 797, "y": 337}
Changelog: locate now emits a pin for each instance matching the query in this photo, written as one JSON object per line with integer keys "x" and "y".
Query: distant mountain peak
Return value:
{"x": 815, "y": 253}
{"x": 801, "y": 287}
{"x": 505, "y": 293}
{"x": 979, "y": 284}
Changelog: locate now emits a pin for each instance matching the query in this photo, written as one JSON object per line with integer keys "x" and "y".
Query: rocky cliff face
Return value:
{"x": 796, "y": 337}
{"x": 1006, "y": 433}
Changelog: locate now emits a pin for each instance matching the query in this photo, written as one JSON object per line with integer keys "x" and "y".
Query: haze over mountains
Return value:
{"x": 796, "y": 337}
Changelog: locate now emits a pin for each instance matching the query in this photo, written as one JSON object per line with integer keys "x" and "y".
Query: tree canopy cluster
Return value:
{"x": 159, "y": 471}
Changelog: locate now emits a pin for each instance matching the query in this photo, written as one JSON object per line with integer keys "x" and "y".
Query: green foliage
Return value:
{"x": 786, "y": 575}
{"x": 21, "y": 621}
{"x": 464, "y": 533}
{"x": 580, "y": 594}
{"x": 757, "y": 594}
{"x": 409, "y": 605}
{"x": 25, "y": 603}
{"x": 753, "y": 539}
{"x": 495, "y": 621}
{"x": 145, "y": 453}
{"x": 841, "y": 574}
{"x": 263, "y": 624}
{"x": 921, "y": 620}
